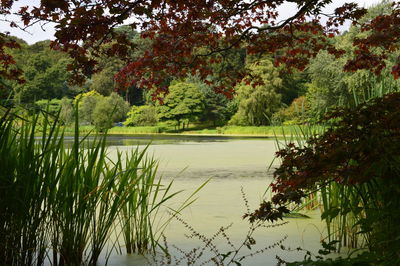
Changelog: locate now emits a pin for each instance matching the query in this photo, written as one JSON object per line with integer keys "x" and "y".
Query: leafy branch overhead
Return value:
{"x": 360, "y": 147}
{"x": 190, "y": 36}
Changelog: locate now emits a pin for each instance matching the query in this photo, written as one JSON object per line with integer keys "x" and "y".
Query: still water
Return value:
{"x": 231, "y": 164}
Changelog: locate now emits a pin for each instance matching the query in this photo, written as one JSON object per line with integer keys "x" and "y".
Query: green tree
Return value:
{"x": 296, "y": 113}
{"x": 67, "y": 111}
{"x": 216, "y": 105}
{"x": 145, "y": 115}
{"x": 45, "y": 72}
{"x": 109, "y": 110}
{"x": 103, "y": 82}
{"x": 87, "y": 103}
{"x": 258, "y": 100}
{"x": 55, "y": 107}
{"x": 43, "y": 80}
{"x": 215, "y": 108}
{"x": 294, "y": 85}
{"x": 184, "y": 101}
{"x": 363, "y": 84}
{"x": 331, "y": 87}
{"x": 328, "y": 87}
{"x": 51, "y": 106}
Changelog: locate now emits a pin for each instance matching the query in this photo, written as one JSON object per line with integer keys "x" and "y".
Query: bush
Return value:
{"x": 239, "y": 119}
{"x": 87, "y": 103}
{"x": 296, "y": 113}
{"x": 67, "y": 111}
{"x": 144, "y": 115}
{"x": 109, "y": 110}
{"x": 52, "y": 106}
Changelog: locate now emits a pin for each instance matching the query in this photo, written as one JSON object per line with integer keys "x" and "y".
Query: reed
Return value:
{"x": 340, "y": 205}
{"x": 62, "y": 205}
{"x": 341, "y": 208}
{"x": 140, "y": 218}
{"x": 378, "y": 87}
{"x": 28, "y": 177}
{"x": 299, "y": 135}
{"x": 353, "y": 212}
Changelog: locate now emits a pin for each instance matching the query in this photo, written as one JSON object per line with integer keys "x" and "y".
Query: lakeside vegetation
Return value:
{"x": 265, "y": 131}
{"x": 63, "y": 206}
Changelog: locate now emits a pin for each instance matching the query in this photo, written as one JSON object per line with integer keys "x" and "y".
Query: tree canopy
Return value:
{"x": 258, "y": 99}
{"x": 184, "y": 102}
{"x": 192, "y": 35}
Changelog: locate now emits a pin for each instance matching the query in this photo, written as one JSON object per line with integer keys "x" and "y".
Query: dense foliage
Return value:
{"x": 184, "y": 32}
{"x": 360, "y": 151}
{"x": 44, "y": 72}
{"x": 265, "y": 94}
{"x": 63, "y": 206}
{"x": 183, "y": 104}
{"x": 144, "y": 115}
{"x": 258, "y": 99}
{"x": 101, "y": 111}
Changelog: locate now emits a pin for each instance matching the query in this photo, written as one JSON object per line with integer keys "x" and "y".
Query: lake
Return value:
{"x": 231, "y": 163}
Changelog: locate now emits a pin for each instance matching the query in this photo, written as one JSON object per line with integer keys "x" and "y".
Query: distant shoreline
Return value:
{"x": 227, "y": 131}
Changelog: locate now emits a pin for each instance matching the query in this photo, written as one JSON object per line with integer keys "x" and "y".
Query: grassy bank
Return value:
{"x": 263, "y": 130}
{"x": 268, "y": 131}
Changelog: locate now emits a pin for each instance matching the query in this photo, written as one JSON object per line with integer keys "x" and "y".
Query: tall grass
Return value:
{"x": 62, "y": 205}
{"x": 379, "y": 86}
{"x": 140, "y": 217}
{"x": 331, "y": 198}
{"x": 284, "y": 131}
{"x": 341, "y": 208}
{"x": 299, "y": 135}
{"x": 28, "y": 178}
{"x": 136, "y": 216}
{"x": 351, "y": 211}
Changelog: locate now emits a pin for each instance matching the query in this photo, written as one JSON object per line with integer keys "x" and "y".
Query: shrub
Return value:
{"x": 87, "y": 103}
{"x": 296, "y": 113}
{"x": 109, "y": 110}
{"x": 67, "y": 111}
{"x": 53, "y": 106}
{"x": 144, "y": 115}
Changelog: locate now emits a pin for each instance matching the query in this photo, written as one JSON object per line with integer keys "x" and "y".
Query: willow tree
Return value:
{"x": 258, "y": 99}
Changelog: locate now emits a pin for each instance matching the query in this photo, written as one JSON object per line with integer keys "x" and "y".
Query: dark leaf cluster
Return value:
{"x": 188, "y": 37}
{"x": 362, "y": 144}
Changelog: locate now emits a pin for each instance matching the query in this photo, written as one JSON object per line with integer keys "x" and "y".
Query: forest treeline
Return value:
{"x": 270, "y": 95}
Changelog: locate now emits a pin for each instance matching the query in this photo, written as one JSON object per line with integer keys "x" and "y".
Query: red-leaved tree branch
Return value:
{"x": 190, "y": 36}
